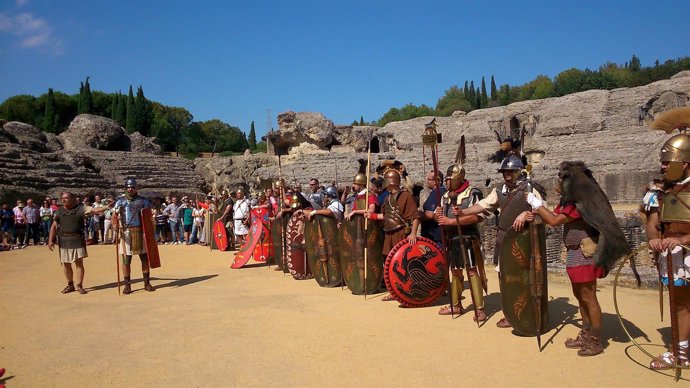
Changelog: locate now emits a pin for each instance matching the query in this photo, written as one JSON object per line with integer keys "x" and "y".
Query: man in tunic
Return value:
{"x": 334, "y": 208}
{"x": 241, "y": 217}
{"x": 68, "y": 225}
{"x": 127, "y": 225}
{"x": 400, "y": 215}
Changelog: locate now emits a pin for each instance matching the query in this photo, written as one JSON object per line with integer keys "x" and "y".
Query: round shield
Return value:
{"x": 352, "y": 254}
{"x": 416, "y": 274}
{"x": 297, "y": 257}
{"x": 321, "y": 235}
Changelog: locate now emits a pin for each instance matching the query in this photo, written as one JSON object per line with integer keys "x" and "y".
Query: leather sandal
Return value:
{"x": 68, "y": 289}
{"x": 127, "y": 290}
{"x": 388, "y": 298}
{"x": 591, "y": 346}
{"x": 480, "y": 317}
{"x": 148, "y": 287}
{"x": 446, "y": 310}
{"x": 577, "y": 342}
{"x": 667, "y": 361}
{"x": 81, "y": 289}
{"x": 503, "y": 323}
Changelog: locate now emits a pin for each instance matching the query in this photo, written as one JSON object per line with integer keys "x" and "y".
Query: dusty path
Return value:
{"x": 210, "y": 326}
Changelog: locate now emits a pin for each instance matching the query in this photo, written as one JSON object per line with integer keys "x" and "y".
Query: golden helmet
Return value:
{"x": 360, "y": 179}
{"x": 675, "y": 151}
{"x": 391, "y": 178}
{"x": 456, "y": 174}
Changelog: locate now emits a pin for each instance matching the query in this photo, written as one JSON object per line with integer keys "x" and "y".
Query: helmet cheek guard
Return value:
{"x": 456, "y": 175}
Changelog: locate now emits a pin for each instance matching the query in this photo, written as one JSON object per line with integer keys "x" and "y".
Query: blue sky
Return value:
{"x": 235, "y": 60}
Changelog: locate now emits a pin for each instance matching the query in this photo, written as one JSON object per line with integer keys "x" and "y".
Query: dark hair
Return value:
{"x": 378, "y": 182}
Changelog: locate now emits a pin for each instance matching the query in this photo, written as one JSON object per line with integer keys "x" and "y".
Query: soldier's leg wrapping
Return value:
{"x": 458, "y": 285}
{"x": 456, "y": 265}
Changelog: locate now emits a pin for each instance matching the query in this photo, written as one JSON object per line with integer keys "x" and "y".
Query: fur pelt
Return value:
{"x": 580, "y": 188}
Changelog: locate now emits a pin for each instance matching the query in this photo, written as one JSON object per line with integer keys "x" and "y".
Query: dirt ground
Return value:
{"x": 211, "y": 326}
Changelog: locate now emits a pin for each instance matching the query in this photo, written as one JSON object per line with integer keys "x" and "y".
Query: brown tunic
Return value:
{"x": 408, "y": 210}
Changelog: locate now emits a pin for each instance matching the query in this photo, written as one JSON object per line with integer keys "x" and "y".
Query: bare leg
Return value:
{"x": 69, "y": 275}
{"x": 80, "y": 270}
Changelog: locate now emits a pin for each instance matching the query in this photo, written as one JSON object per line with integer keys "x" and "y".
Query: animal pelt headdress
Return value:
{"x": 580, "y": 187}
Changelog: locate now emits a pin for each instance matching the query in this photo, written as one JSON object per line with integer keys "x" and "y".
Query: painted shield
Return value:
{"x": 321, "y": 234}
{"x": 262, "y": 250}
{"x": 149, "y": 227}
{"x": 297, "y": 255}
{"x": 256, "y": 231}
{"x": 416, "y": 274}
{"x": 520, "y": 292}
{"x": 220, "y": 235}
{"x": 277, "y": 227}
{"x": 352, "y": 243}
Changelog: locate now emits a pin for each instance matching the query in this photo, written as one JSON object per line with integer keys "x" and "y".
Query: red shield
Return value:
{"x": 220, "y": 235}
{"x": 416, "y": 274}
{"x": 149, "y": 229}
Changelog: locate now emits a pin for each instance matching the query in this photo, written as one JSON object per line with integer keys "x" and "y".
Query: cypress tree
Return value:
{"x": 121, "y": 110}
{"x": 478, "y": 95}
{"x": 466, "y": 91}
{"x": 252, "y": 137}
{"x": 130, "y": 123}
{"x": 141, "y": 107}
{"x": 484, "y": 98}
{"x": 473, "y": 96}
{"x": 80, "y": 101}
{"x": 113, "y": 106}
{"x": 494, "y": 93}
{"x": 88, "y": 99}
{"x": 49, "y": 113}
{"x": 361, "y": 120}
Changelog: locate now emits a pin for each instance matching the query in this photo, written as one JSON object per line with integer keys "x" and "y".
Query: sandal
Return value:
{"x": 503, "y": 323}
{"x": 68, "y": 289}
{"x": 81, "y": 289}
{"x": 668, "y": 361}
{"x": 388, "y": 298}
{"x": 591, "y": 346}
{"x": 446, "y": 310}
{"x": 480, "y": 316}
{"x": 577, "y": 342}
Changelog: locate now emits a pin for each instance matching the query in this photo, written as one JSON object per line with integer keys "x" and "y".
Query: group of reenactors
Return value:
{"x": 369, "y": 241}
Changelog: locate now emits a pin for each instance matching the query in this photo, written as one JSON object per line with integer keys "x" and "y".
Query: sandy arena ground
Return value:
{"x": 210, "y": 326}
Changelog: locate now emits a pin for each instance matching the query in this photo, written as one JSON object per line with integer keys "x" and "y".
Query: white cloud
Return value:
{"x": 22, "y": 2}
{"x": 31, "y": 31}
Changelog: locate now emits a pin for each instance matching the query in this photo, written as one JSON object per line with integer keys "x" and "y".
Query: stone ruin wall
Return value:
{"x": 603, "y": 128}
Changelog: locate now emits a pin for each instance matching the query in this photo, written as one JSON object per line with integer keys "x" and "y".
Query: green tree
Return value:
{"x": 635, "y": 64}
{"x": 170, "y": 125}
{"x": 494, "y": 92}
{"x": 466, "y": 91}
{"x": 143, "y": 113}
{"x": 568, "y": 81}
{"x": 50, "y": 120}
{"x": 121, "y": 109}
{"x": 361, "y": 120}
{"x": 24, "y": 108}
{"x": 88, "y": 98}
{"x": 131, "y": 121}
{"x": 453, "y": 99}
{"x": 252, "y": 137}
{"x": 484, "y": 97}
{"x": 472, "y": 96}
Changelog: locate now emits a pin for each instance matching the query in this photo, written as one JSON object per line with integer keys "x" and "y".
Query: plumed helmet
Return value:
{"x": 131, "y": 182}
{"x": 361, "y": 177}
{"x": 331, "y": 192}
{"x": 456, "y": 174}
{"x": 676, "y": 149}
{"x": 391, "y": 178}
{"x": 511, "y": 163}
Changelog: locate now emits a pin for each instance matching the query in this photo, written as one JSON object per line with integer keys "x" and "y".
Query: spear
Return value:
{"x": 366, "y": 219}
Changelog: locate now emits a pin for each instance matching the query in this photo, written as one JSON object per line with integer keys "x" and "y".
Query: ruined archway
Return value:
{"x": 374, "y": 146}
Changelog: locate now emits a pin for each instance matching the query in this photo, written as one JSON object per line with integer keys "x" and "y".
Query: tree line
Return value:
{"x": 173, "y": 127}
{"x": 470, "y": 97}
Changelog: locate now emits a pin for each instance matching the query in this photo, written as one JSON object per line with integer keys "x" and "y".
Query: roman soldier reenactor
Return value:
{"x": 400, "y": 215}
{"x": 128, "y": 225}
{"x": 462, "y": 241}
{"x": 668, "y": 230}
